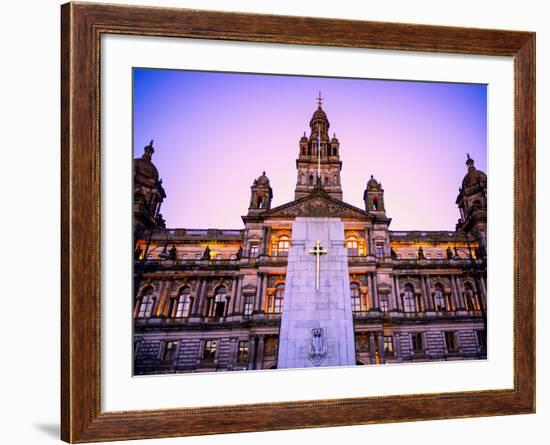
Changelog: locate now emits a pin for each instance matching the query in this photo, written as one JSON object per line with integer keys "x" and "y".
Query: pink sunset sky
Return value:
{"x": 214, "y": 133}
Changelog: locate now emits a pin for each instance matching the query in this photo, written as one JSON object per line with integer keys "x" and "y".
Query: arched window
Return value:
{"x": 335, "y": 180}
{"x": 375, "y": 203}
{"x": 470, "y": 298}
{"x": 439, "y": 298}
{"x": 358, "y": 299}
{"x": 184, "y": 303}
{"x": 326, "y": 180}
{"x": 146, "y": 303}
{"x": 310, "y": 179}
{"x": 352, "y": 246}
{"x": 303, "y": 179}
{"x": 220, "y": 301}
{"x": 260, "y": 201}
{"x": 409, "y": 300}
{"x": 283, "y": 245}
{"x": 275, "y": 303}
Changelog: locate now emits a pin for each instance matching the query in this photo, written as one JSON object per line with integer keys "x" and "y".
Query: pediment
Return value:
{"x": 316, "y": 205}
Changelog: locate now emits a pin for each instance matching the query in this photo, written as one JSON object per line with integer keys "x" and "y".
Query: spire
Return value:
{"x": 320, "y": 101}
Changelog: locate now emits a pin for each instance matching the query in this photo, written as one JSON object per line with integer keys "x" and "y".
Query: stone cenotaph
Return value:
{"x": 317, "y": 323}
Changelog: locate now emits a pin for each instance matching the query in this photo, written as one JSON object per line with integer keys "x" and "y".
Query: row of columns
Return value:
{"x": 427, "y": 302}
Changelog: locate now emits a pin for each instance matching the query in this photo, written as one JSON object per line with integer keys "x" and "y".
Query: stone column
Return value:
{"x": 367, "y": 242}
{"x": 258, "y": 299}
{"x": 460, "y": 299}
{"x": 398, "y": 293}
{"x": 370, "y": 293}
{"x": 393, "y": 298}
{"x": 236, "y": 280}
{"x": 381, "y": 351}
{"x": 397, "y": 346}
{"x": 375, "y": 292}
{"x": 372, "y": 348}
{"x": 196, "y": 300}
{"x": 233, "y": 353}
{"x": 260, "y": 352}
{"x": 238, "y": 300}
{"x": 203, "y": 297}
{"x": 429, "y": 298}
{"x": 263, "y": 294}
{"x": 251, "y": 349}
{"x": 454, "y": 294}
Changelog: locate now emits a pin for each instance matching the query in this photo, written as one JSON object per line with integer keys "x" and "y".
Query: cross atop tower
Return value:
{"x": 319, "y": 100}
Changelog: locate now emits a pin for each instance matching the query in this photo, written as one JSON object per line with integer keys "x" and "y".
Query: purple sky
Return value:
{"x": 216, "y": 132}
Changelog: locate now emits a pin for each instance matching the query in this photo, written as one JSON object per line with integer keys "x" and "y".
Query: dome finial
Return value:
{"x": 469, "y": 162}
{"x": 148, "y": 151}
{"x": 319, "y": 100}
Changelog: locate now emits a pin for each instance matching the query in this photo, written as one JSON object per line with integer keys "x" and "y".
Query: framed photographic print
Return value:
{"x": 284, "y": 222}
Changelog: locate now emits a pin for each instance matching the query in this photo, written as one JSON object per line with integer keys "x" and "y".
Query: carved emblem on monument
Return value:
{"x": 318, "y": 350}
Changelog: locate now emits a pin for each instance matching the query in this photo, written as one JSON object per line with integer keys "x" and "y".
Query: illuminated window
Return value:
{"x": 147, "y": 303}
{"x": 184, "y": 303}
{"x": 275, "y": 301}
{"x": 254, "y": 249}
{"x": 283, "y": 245}
{"x": 358, "y": 299}
{"x": 209, "y": 353}
{"x": 416, "y": 342}
{"x": 352, "y": 246}
{"x": 388, "y": 345}
{"x": 439, "y": 298}
{"x": 169, "y": 351}
{"x": 409, "y": 302}
{"x": 450, "y": 342}
{"x": 242, "y": 352}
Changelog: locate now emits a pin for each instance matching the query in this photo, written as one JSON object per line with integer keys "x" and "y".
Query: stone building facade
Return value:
{"x": 212, "y": 299}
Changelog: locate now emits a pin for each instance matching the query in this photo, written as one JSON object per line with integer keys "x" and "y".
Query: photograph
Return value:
{"x": 288, "y": 221}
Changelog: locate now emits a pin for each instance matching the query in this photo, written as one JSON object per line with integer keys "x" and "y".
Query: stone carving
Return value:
{"x": 318, "y": 349}
{"x": 318, "y": 206}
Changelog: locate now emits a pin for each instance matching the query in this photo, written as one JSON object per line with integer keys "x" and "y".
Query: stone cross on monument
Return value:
{"x": 318, "y": 251}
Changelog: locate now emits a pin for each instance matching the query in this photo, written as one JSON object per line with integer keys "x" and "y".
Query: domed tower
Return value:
{"x": 260, "y": 196}
{"x": 472, "y": 202}
{"x": 318, "y": 164}
{"x": 374, "y": 198}
{"x": 148, "y": 194}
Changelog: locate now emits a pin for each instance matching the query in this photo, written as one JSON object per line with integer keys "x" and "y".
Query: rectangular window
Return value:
{"x": 254, "y": 250}
{"x": 169, "y": 351}
{"x": 388, "y": 345}
{"x": 184, "y": 305}
{"x": 428, "y": 256}
{"x": 379, "y": 250}
{"x": 411, "y": 256}
{"x": 384, "y": 304}
{"x": 146, "y": 308}
{"x": 248, "y": 304}
{"x": 232, "y": 257}
{"x": 450, "y": 342}
{"x": 481, "y": 338}
{"x": 416, "y": 339}
{"x": 198, "y": 256}
{"x": 242, "y": 352}
{"x": 209, "y": 352}
{"x": 439, "y": 256}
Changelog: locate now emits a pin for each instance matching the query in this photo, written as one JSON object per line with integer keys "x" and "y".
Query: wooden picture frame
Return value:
{"x": 82, "y": 26}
